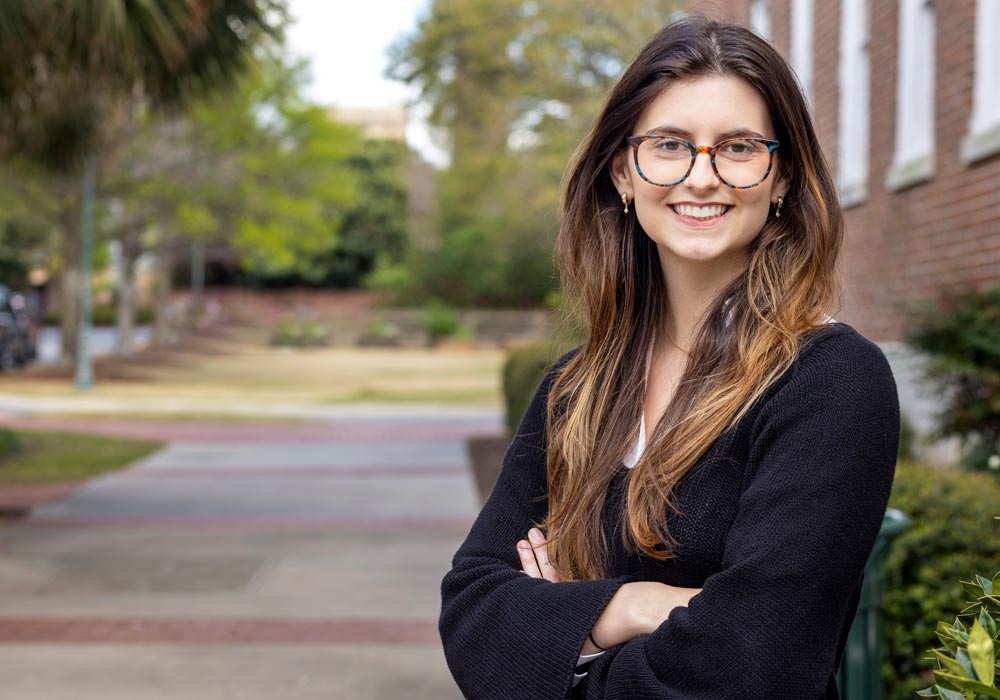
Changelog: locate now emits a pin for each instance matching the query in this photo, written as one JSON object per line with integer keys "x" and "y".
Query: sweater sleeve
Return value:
{"x": 506, "y": 634}
{"x": 818, "y": 479}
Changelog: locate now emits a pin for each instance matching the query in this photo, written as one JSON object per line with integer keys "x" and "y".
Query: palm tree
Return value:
{"x": 75, "y": 71}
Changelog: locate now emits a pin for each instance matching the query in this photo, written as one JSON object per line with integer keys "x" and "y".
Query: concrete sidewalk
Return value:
{"x": 267, "y": 565}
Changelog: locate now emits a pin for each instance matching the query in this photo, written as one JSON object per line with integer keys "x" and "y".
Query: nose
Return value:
{"x": 702, "y": 175}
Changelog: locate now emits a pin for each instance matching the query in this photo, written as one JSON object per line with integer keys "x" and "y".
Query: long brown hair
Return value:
{"x": 610, "y": 273}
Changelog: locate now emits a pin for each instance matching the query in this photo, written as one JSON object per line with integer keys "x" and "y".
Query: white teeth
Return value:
{"x": 709, "y": 212}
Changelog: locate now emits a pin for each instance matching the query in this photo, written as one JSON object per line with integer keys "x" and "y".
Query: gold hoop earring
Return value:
{"x": 777, "y": 209}
{"x": 625, "y": 201}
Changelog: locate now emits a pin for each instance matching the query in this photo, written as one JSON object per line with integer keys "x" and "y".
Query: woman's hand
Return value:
{"x": 536, "y": 563}
{"x": 650, "y": 603}
{"x": 638, "y": 607}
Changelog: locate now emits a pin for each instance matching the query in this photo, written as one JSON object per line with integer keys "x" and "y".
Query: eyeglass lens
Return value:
{"x": 741, "y": 163}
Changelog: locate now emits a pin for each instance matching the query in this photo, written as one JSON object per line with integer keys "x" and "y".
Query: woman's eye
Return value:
{"x": 740, "y": 148}
{"x": 669, "y": 146}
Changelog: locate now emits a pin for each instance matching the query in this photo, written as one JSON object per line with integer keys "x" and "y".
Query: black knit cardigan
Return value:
{"x": 778, "y": 519}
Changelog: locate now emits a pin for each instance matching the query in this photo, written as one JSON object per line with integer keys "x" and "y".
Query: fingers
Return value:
{"x": 528, "y": 563}
{"x": 537, "y": 563}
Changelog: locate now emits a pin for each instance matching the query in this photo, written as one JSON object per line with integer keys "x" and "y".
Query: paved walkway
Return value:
{"x": 245, "y": 561}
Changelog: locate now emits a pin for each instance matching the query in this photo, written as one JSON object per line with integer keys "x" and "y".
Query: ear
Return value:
{"x": 621, "y": 171}
{"x": 780, "y": 189}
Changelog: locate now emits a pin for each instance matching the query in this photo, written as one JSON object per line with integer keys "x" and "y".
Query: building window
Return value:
{"x": 802, "y": 45}
{"x": 983, "y": 139}
{"x": 760, "y": 18}
{"x": 853, "y": 78}
{"x": 913, "y": 160}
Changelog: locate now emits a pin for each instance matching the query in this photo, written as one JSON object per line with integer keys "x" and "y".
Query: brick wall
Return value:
{"x": 912, "y": 243}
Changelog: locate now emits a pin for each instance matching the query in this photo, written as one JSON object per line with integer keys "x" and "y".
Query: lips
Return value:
{"x": 694, "y": 222}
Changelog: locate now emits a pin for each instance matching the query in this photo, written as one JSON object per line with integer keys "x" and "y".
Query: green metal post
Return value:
{"x": 860, "y": 674}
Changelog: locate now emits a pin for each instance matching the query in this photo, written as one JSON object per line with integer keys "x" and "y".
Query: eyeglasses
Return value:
{"x": 666, "y": 161}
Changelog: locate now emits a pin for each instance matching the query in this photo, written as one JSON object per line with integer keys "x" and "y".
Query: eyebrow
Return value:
{"x": 732, "y": 133}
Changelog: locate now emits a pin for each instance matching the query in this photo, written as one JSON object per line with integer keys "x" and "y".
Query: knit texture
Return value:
{"x": 777, "y": 521}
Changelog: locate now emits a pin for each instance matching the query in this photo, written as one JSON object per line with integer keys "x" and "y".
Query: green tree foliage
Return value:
{"x": 513, "y": 86}
{"x": 375, "y": 223}
{"x": 295, "y": 191}
{"x": 74, "y": 71}
{"x": 297, "y": 196}
{"x": 959, "y": 333}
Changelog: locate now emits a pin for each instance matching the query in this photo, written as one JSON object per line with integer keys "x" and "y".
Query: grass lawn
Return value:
{"x": 45, "y": 457}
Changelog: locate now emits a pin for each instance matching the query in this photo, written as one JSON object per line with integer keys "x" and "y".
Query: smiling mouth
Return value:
{"x": 713, "y": 213}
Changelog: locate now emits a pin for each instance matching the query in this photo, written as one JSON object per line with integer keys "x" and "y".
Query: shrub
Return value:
{"x": 8, "y": 443}
{"x": 440, "y": 321}
{"x": 961, "y": 335}
{"x": 301, "y": 334}
{"x": 907, "y": 436}
{"x": 395, "y": 281}
{"x": 523, "y": 370}
{"x": 951, "y": 533}
{"x": 105, "y": 316}
{"x": 380, "y": 329}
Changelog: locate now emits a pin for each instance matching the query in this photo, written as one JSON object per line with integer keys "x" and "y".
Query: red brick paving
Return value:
{"x": 24, "y": 498}
{"x": 91, "y": 630}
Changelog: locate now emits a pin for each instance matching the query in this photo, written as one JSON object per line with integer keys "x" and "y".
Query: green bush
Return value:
{"x": 440, "y": 321}
{"x": 301, "y": 334}
{"x": 522, "y": 372}
{"x": 951, "y": 533}
{"x": 907, "y": 436}
{"x": 8, "y": 443}
{"x": 105, "y": 316}
{"x": 960, "y": 333}
{"x": 395, "y": 281}
{"x": 483, "y": 264}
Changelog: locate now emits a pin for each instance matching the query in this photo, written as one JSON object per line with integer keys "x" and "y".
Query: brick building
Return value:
{"x": 906, "y": 100}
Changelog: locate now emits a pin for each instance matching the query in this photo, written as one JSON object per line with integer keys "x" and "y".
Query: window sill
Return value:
{"x": 976, "y": 147}
{"x": 912, "y": 172}
{"x": 853, "y": 194}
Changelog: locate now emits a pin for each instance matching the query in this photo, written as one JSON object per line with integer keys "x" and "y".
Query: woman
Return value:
{"x": 703, "y": 479}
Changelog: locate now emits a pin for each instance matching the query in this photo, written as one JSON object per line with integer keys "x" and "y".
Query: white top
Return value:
{"x": 630, "y": 461}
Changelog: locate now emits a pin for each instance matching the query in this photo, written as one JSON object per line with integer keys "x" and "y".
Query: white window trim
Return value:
{"x": 802, "y": 46}
{"x": 854, "y": 76}
{"x": 915, "y": 63}
{"x": 760, "y": 17}
{"x": 982, "y": 139}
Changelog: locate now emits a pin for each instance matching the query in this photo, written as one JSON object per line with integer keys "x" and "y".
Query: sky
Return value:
{"x": 346, "y": 42}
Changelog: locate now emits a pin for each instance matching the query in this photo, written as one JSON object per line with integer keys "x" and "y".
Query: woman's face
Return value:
{"x": 701, "y": 110}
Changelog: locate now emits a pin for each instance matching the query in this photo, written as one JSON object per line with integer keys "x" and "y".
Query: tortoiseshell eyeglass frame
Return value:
{"x": 636, "y": 141}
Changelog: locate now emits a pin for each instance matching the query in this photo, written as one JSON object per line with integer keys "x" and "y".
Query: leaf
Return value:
{"x": 988, "y": 622}
{"x": 986, "y": 584}
{"x": 948, "y": 635}
{"x": 950, "y": 694}
{"x": 962, "y": 657}
{"x": 975, "y": 588}
{"x": 967, "y": 684}
{"x": 981, "y": 653}
{"x": 950, "y": 664}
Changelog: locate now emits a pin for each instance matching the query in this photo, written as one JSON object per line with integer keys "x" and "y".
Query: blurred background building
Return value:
{"x": 910, "y": 123}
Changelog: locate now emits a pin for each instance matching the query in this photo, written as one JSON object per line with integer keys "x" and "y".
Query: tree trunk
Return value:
{"x": 126, "y": 298}
{"x": 163, "y": 330}
{"x": 69, "y": 311}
